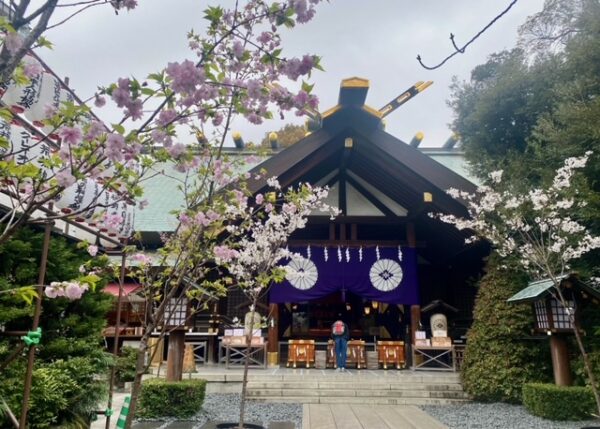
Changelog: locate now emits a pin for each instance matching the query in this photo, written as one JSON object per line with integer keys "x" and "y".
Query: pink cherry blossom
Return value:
{"x": 65, "y": 178}
{"x": 92, "y": 250}
{"x": 185, "y": 76}
{"x": 70, "y": 135}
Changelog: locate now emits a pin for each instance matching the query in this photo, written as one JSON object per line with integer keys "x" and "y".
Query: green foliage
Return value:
{"x": 160, "y": 398}
{"x": 579, "y": 371}
{"x": 125, "y": 365}
{"x": 499, "y": 357}
{"x": 526, "y": 114}
{"x": 70, "y": 361}
{"x": 286, "y": 136}
{"x": 558, "y": 402}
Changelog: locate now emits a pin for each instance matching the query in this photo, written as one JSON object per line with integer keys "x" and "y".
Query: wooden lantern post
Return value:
{"x": 176, "y": 316}
{"x": 553, "y": 319}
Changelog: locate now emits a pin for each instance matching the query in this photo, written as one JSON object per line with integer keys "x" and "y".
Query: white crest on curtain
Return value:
{"x": 347, "y": 254}
{"x": 400, "y": 253}
{"x": 377, "y": 252}
{"x": 360, "y": 254}
{"x": 325, "y": 253}
{"x": 339, "y": 254}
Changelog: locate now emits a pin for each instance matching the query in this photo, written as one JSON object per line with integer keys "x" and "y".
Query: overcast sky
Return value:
{"x": 373, "y": 39}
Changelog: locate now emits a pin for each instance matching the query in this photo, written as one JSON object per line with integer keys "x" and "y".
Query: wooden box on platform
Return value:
{"x": 441, "y": 342}
{"x": 240, "y": 340}
{"x": 391, "y": 353}
{"x": 301, "y": 351}
{"x": 356, "y": 354}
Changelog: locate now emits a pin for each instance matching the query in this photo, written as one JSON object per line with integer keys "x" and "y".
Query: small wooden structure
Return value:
{"x": 301, "y": 351}
{"x": 391, "y": 353}
{"x": 553, "y": 318}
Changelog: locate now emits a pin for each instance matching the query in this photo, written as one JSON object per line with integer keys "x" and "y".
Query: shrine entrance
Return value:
{"x": 367, "y": 320}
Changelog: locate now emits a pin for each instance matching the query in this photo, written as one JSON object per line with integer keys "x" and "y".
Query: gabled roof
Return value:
{"x": 352, "y": 138}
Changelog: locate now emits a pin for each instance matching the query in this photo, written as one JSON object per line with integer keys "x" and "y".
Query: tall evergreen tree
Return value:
{"x": 67, "y": 380}
{"x": 501, "y": 355}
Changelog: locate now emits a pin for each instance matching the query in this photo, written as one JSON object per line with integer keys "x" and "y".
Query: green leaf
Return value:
{"x": 118, "y": 128}
{"x": 306, "y": 87}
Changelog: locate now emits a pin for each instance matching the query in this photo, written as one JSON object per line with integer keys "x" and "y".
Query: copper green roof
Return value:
{"x": 534, "y": 291}
{"x": 537, "y": 290}
{"x": 164, "y": 192}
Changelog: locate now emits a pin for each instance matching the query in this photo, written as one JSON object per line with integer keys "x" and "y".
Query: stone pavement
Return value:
{"x": 342, "y": 416}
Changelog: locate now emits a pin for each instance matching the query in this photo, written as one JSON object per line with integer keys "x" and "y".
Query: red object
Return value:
{"x": 113, "y": 288}
{"x": 338, "y": 328}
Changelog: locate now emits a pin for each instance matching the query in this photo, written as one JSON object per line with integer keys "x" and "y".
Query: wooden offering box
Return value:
{"x": 355, "y": 355}
{"x": 391, "y": 353}
{"x": 301, "y": 351}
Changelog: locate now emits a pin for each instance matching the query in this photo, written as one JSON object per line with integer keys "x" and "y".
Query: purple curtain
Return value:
{"x": 383, "y": 274}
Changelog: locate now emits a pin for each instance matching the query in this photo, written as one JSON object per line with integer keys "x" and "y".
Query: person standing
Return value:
{"x": 340, "y": 334}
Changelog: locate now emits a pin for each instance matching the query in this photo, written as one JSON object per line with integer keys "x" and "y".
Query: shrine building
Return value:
{"x": 384, "y": 265}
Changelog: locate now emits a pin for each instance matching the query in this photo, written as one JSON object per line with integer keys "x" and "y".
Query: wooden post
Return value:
{"x": 36, "y": 322}
{"x": 273, "y": 334}
{"x": 560, "y": 360}
{"x": 175, "y": 355}
{"x": 415, "y": 310}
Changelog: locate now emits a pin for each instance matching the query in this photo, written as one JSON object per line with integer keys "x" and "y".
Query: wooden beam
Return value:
{"x": 372, "y": 199}
{"x": 355, "y": 243}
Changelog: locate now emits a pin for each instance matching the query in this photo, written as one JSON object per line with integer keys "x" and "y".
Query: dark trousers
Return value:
{"x": 341, "y": 349}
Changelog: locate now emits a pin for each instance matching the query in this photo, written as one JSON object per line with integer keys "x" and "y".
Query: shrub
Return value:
{"x": 558, "y": 402}
{"x": 160, "y": 398}
{"x": 499, "y": 358}
{"x": 125, "y": 365}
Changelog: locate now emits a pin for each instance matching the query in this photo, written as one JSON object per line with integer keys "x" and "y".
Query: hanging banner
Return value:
{"x": 383, "y": 274}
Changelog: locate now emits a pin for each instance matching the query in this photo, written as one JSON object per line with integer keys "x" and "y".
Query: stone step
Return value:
{"x": 354, "y": 377}
{"x": 357, "y": 400}
{"x": 352, "y": 385}
{"x": 254, "y": 393}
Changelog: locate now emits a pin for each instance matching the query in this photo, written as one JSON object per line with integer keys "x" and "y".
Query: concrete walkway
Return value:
{"x": 341, "y": 416}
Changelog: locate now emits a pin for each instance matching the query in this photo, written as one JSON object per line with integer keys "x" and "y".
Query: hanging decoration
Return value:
{"x": 386, "y": 274}
{"x": 400, "y": 253}
{"x": 303, "y": 273}
{"x": 376, "y": 275}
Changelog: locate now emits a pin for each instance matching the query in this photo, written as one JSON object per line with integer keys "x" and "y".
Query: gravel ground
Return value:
{"x": 496, "y": 416}
{"x": 226, "y": 407}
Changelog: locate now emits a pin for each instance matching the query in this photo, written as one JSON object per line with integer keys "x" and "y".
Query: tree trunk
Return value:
{"x": 246, "y": 364}
{"x": 588, "y": 367}
{"x": 140, "y": 368}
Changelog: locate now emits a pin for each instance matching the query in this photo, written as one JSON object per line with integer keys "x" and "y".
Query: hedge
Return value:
{"x": 160, "y": 398}
{"x": 498, "y": 358}
{"x": 558, "y": 402}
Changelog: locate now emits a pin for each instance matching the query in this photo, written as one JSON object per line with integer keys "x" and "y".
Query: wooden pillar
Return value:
{"x": 273, "y": 334}
{"x": 189, "y": 360}
{"x": 175, "y": 355}
{"x": 415, "y": 310}
{"x": 560, "y": 360}
{"x": 155, "y": 348}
